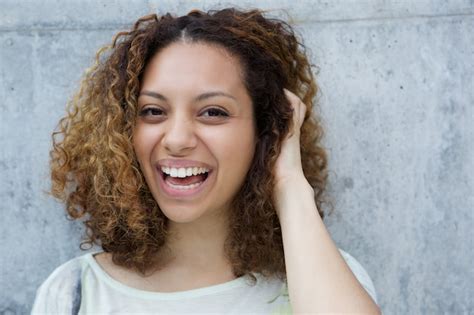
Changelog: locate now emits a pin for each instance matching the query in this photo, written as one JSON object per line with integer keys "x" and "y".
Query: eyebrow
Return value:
{"x": 198, "y": 98}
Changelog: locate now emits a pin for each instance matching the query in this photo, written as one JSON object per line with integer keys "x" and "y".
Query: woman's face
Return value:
{"x": 194, "y": 112}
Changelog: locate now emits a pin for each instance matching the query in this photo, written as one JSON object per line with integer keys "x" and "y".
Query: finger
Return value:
{"x": 295, "y": 101}
{"x": 292, "y": 97}
{"x": 298, "y": 108}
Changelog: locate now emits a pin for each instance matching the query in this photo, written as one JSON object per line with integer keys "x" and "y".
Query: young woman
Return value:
{"x": 192, "y": 153}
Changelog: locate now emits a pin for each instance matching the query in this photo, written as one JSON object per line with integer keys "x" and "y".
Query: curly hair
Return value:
{"x": 94, "y": 169}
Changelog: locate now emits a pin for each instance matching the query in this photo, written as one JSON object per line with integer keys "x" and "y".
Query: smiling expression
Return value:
{"x": 193, "y": 106}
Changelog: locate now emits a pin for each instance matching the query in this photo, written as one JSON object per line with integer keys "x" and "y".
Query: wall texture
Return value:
{"x": 397, "y": 98}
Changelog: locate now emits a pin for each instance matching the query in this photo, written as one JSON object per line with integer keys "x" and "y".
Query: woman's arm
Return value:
{"x": 319, "y": 280}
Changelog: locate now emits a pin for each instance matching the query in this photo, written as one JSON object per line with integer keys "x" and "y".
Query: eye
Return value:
{"x": 151, "y": 111}
{"x": 215, "y": 112}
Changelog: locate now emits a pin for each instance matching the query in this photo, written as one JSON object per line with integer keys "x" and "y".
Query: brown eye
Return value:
{"x": 215, "y": 112}
{"x": 151, "y": 111}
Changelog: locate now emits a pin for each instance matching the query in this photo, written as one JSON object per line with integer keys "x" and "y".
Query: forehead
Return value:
{"x": 193, "y": 66}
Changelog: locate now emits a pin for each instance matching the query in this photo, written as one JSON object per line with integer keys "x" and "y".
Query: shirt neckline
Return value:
{"x": 123, "y": 288}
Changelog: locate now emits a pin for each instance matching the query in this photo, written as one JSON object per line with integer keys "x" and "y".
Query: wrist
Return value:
{"x": 293, "y": 186}
{"x": 292, "y": 194}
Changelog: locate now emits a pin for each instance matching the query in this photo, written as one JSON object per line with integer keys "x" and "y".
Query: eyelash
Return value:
{"x": 148, "y": 111}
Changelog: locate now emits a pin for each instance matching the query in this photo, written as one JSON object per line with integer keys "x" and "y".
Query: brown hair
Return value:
{"x": 94, "y": 169}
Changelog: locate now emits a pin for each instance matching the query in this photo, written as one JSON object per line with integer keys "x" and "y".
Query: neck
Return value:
{"x": 198, "y": 245}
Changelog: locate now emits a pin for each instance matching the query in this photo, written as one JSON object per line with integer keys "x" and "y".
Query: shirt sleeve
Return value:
{"x": 60, "y": 293}
{"x": 361, "y": 274}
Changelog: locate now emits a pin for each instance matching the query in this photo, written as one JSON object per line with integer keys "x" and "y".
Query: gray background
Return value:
{"x": 397, "y": 96}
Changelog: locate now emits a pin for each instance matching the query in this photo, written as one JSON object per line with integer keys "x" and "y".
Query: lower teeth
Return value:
{"x": 187, "y": 187}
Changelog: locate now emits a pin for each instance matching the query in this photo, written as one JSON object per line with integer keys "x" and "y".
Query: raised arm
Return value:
{"x": 319, "y": 280}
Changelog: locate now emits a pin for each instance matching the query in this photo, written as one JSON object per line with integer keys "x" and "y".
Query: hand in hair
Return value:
{"x": 288, "y": 167}
{"x": 318, "y": 277}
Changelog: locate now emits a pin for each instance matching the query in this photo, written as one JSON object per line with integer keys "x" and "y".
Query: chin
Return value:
{"x": 181, "y": 214}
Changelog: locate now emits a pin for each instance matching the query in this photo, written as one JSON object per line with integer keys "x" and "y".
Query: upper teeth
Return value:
{"x": 183, "y": 172}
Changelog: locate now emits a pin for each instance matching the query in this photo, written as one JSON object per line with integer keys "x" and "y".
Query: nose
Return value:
{"x": 179, "y": 136}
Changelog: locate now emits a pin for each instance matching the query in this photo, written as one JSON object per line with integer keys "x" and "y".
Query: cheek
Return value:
{"x": 232, "y": 146}
{"x": 143, "y": 141}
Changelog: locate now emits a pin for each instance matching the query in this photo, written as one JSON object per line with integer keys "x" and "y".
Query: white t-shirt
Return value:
{"x": 81, "y": 286}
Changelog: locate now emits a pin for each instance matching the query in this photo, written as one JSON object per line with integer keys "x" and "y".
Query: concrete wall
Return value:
{"x": 397, "y": 99}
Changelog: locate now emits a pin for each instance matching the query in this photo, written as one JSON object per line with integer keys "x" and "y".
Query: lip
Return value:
{"x": 183, "y": 194}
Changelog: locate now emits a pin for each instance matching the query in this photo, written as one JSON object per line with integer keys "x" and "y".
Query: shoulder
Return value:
{"x": 61, "y": 291}
{"x": 360, "y": 273}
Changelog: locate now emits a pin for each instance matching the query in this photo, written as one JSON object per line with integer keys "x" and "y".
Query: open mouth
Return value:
{"x": 185, "y": 180}
{"x": 183, "y": 186}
